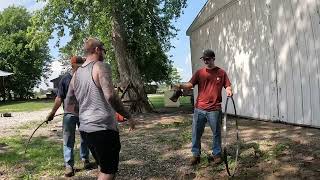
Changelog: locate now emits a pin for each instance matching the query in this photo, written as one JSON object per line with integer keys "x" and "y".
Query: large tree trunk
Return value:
{"x": 128, "y": 70}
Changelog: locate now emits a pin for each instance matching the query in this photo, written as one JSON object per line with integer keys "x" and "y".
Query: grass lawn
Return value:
{"x": 158, "y": 100}
{"x": 44, "y": 155}
{"x": 20, "y": 106}
{"x": 29, "y": 106}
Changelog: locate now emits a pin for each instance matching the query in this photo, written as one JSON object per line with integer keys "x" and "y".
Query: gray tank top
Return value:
{"x": 95, "y": 113}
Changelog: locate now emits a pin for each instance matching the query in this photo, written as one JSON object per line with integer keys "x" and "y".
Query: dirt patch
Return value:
{"x": 160, "y": 149}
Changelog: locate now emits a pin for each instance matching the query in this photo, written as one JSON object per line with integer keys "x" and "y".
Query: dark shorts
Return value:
{"x": 105, "y": 147}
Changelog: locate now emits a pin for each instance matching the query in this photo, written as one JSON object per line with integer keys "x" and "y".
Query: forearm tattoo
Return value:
{"x": 105, "y": 80}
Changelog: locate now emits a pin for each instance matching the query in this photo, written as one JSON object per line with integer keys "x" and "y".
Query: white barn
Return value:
{"x": 271, "y": 52}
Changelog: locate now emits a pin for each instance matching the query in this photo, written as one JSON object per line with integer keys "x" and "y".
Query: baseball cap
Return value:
{"x": 77, "y": 60}
{"x": 208, "y": 53}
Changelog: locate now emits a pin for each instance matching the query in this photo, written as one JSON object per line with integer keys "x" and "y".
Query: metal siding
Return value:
{"x": 273, "y": 65}
{"x": 251, "y": 62}
{"x": 228, "y": 60}
{"x": 246, "y": 82}
{"x": 241, "y": 57}
{"x": 303, "y": 33}
{"x": 268, "y": 62}
{"x": 277, "y": 19}
{"x": 261, "y": 62}
{"x": 298, "y": 62}
{"x": 286, "y": 85}
{"x": 314, "y": 47}
{"x": 308, "y": 92}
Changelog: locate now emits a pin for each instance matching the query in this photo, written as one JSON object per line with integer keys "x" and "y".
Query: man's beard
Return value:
{"x": 101, "y": 58}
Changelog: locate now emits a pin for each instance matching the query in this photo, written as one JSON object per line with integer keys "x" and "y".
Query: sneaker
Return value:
{"x": 215, "y": 159}
{"x": 195, "y": 160}
{"x": 69, "y": 172}
{"x": 86, "y": 164}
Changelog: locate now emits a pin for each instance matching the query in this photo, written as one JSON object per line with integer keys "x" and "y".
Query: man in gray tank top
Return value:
{"x": 94, "y": 92}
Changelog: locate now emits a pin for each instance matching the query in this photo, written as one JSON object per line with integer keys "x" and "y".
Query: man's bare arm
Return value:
{"x": 57, "y": 104}
{"x": 187, "y": 85}
{"x": 105, "y": 82}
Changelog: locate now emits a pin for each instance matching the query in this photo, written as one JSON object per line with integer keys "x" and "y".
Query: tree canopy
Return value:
{"x": 136, "y": 33}
{"x": 27, "y": 64}
{"x": 147, "y": 25}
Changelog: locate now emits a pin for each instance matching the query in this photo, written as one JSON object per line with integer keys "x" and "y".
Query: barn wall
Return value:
{"x": 270, "y": 50}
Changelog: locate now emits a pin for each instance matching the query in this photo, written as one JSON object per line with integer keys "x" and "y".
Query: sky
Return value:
{"x": 180, "y": 55}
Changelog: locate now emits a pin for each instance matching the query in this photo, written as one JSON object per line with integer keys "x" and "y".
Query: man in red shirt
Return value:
{"x": 210, "y": 80}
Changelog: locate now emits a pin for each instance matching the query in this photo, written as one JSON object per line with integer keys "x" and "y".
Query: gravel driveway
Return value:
{"x": 20, "y": 118}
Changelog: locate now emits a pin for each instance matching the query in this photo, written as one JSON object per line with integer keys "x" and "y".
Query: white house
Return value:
{"x": 271, "y": 52}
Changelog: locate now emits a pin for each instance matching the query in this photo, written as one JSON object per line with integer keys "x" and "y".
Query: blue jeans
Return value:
{"x": 69, "y": 127}
{"x": 200, "y": 117}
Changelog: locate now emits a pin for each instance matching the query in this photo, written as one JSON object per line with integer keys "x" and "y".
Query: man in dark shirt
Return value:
{"x": 70, "y": 121}
{"x": 210, "y": 80}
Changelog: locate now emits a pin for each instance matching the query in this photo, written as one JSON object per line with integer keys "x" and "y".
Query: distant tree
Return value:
{"x": 174, "y": 77}
{"x": 27, "y": 64}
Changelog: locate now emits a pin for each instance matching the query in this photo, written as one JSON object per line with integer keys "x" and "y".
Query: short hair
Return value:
{"x": 90, "y": 45}
{"x": 77, "y": 60}
{"x": 208, "y": 53}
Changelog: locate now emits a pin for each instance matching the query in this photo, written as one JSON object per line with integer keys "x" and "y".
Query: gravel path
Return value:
{"x": 19, "y": 118}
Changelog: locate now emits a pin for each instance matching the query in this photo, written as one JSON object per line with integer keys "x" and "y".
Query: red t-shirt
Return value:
{"x": 210, "y": 83}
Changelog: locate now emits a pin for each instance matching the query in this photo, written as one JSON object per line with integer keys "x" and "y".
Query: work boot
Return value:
{"x": 69, "y": 172}
{"x": 215, "y": 159}
{"x": 86, "y": 164}
{"x": 195, "y": 160}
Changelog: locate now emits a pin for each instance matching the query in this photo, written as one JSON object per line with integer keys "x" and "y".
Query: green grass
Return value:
{"x": 42, "y": 158}
{"x": 20, "y": 106}
{"x": 157, "y": 100}
{"x": 276, "y": 151}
